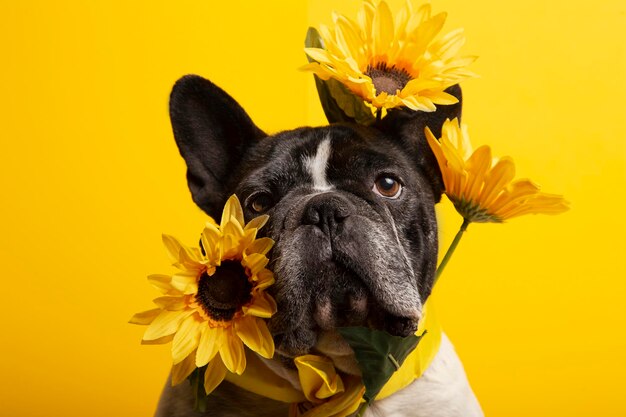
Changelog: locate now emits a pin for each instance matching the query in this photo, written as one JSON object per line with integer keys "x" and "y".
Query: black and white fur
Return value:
{"x": 345, "y": 254}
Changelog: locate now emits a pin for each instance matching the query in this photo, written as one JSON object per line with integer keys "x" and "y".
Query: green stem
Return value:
{"x": 451, "y": 249}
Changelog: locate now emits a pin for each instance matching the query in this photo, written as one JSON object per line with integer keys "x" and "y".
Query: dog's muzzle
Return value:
{"x": 340, "y": 264}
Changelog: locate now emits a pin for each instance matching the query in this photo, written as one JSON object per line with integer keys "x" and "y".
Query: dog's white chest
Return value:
{"x": 443, "y": 391}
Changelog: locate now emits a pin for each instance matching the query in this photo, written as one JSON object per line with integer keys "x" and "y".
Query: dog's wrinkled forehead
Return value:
{"x": 322, "y": 159}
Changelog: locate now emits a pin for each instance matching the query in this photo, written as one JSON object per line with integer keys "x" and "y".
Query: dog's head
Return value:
{"x": 351, "y": 208}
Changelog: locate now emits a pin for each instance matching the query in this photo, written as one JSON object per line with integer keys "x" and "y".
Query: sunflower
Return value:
{"x": 215, "y": 303}
{"x": 481, "y": 188}
{"x": 390, "y": 65}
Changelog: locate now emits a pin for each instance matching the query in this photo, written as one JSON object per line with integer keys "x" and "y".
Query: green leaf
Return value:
{"x": 350, "y": 104}
{"x": 338, "y": 102}
{"x": 197, "y": 386}
{"x": 379, "y": 355}
{"x": 313, "y": 40}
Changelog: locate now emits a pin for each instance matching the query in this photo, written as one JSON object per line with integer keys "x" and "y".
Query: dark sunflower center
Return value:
{"x": 387, "y": 79}
{"x": 224, "y": 292}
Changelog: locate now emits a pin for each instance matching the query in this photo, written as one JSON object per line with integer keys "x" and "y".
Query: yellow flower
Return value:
{"x": 326, "y": 393}
{"x": 482, "y": 189}
{"x": 391, "y": 65}
{"x": 216, "y": 301}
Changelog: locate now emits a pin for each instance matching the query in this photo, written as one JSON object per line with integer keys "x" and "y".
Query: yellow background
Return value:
{"x": 90, "y": 177}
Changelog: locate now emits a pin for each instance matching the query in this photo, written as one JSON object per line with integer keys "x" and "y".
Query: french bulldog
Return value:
{"x": 352, "y": 213}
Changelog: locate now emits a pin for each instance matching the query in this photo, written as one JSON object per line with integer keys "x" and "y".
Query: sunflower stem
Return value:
{"x": 451, "y": 249}
{"x": 379, "y": 114}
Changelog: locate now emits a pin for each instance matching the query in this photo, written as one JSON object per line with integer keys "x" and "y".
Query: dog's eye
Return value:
{"x": 388, "y": 187}
{"x": 260, "y": 202}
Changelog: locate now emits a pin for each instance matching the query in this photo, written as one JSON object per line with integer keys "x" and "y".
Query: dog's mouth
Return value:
{"x": 347, "y": 302}
{"x": 341, "y": 300}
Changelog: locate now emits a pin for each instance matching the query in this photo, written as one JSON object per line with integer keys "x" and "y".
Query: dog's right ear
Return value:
{"x": 408, "y": 127}
{"x": 212, "y": 132}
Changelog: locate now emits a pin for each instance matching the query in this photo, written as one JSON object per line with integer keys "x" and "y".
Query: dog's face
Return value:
{"x": 351, "y": 209}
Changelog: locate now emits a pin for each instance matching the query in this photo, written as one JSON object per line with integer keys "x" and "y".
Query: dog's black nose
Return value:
{"x": 327, "y": 211}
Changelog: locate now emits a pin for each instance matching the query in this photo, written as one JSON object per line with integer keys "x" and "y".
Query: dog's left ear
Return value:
{"x": 408, "y": 127}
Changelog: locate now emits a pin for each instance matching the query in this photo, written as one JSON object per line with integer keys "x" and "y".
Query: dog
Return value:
{"x": 352, "y": 212}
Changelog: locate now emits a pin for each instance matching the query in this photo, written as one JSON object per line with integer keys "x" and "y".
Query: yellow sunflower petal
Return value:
{"x": 449, "y": 45}
{"x": 263, "y": 279}
{"x": 232, "y": 212}
{"x": 419, "y": 103}
{"x": 261, "y": 246}
{"x": 539, "y": 204}
{"x": 349, "y": 35}
{"x": 173, "y": 247}
{"x": 145, "y": 317}
{"x": 344, "y": 404}
{"x": 331, "y": 44}
{"x": 182, "y": 370}
{"x": 186, "y": 338}
{"x": 478, "y": 166}
{"x": 262, "y": 305}
{"x": 190, "y": 260}
{"x": 464, "y": 144}
{"x": 441, "y": 97}
{"x": 447, "y": 174}
{"x": 211, "y": 242}
{"x": 211, "y": 341}
{"x": 161, "y": 282}
{"x": 165, "y": 324}
{"x": 233, "y": 235}
{"x": 496, "y": 180}
{"x": 318, "y": 377}
{"x": 402, "y": 19}
{"x": 232, "y": 353}
{"x": 249, "y": 236}
{"x": 233, "y": 227}
{"x": 214, "y": 375}
{"x": 160, "y": 341}
{"x": 454, "y": 156}
{"x": 382, "y": 30}
{"x": 436, "y": 147}
{"x": 171, "y": 303}
{"x": 257, "y": 222}
{"x": 422, "y": 14}
{"x": 514, "y": 194}
{"x": 319, "y": 55}
{"x": 418, "y": 86}
{"x": 365, "y": 17}
{"x": 253, "y": 333}
{"x": 425, "y": 33}
{"x": 267, "y": 349}
{"x": 181, "y": 256}
{"x": 255, "y": 262}
{"x": 185, "y": 282}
